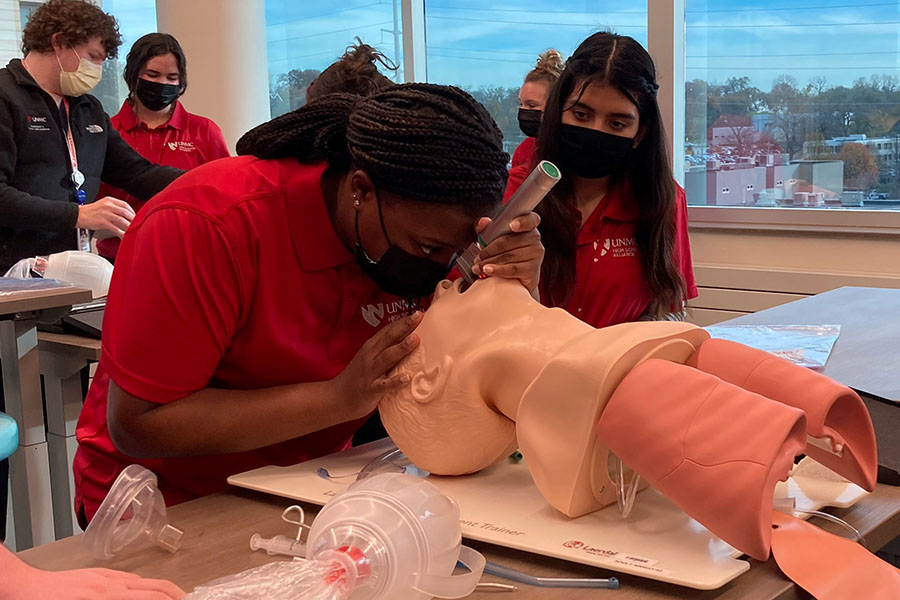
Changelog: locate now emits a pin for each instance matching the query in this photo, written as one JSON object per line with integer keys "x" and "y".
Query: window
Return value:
{"x": 136, "y": 18}
{"x": 305, "y": 37}
{"x": 488, "y": 48}
{"x": 805, "y": 91}
{"x": 25, "y": 10}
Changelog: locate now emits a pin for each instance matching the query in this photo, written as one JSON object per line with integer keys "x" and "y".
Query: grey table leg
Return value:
{"x": 63, "y": 394}
{"x": 32, "y": 510}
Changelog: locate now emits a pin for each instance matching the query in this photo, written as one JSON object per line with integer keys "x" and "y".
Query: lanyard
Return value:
{"x": 77, "y": 176}
{"x": 82, "y": 235}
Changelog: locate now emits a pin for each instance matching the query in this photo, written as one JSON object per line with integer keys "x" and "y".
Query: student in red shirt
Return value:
{"x": 532, "y": 98}
{"x": 265, "y": 298}
{"x": 615, "y": 227}
{"x": 154, "y": 122}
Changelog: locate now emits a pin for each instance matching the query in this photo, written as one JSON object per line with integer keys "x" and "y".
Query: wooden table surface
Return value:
{"x": 866, "y": 356}
{"x": 31, "y": 300}
{"x": 218, "y": 529}
{"x": 78, "y": 346}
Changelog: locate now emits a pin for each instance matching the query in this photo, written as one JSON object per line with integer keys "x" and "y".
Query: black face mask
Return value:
{"x": 592, "y": 154}
{"x": 156, "y": 96}
{"x": 530, "y": 121}
{"x": 398, "y": 272}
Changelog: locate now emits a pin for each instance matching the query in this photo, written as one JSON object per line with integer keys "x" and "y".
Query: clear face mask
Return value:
{"x": 82, "y": 80}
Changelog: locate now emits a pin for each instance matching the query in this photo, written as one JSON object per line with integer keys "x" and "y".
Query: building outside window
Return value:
{"x": 792, "y": 104}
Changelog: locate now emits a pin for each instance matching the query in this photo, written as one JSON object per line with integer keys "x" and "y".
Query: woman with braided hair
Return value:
{"x": 266, "y": 297}
{"x": 615, "y": 226}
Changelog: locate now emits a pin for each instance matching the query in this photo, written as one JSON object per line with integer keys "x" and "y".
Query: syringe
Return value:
{"x": 278, "y": 545}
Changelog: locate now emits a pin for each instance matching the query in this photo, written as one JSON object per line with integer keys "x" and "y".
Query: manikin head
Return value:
{"x": 480, "y": 351}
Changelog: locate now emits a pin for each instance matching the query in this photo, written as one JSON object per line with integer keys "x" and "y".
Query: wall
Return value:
{"x": 743, "y": 271}
{"x": 225, "y": 42}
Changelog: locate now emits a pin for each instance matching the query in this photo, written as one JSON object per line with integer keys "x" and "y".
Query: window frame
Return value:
{"x": 666, "y": 41}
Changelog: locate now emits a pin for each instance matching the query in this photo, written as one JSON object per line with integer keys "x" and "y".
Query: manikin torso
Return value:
{"x": 496, "y": 370}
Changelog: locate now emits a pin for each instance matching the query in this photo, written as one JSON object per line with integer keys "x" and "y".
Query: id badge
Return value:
{"x": 84, "y": 239}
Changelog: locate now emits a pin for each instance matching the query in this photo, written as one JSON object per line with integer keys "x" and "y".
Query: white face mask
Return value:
{"x": 82, "y": 80}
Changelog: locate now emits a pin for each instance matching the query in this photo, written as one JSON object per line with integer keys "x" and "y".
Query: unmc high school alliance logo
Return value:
{"x": 374, "y": 314}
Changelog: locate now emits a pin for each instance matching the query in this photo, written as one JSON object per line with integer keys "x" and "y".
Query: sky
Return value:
{"x": 480, "y": 44}
{"x": 474, "y": 43}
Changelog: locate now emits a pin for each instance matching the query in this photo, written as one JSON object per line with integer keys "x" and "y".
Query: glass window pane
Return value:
{"x": 305, "y": 37}
{"x": 792, "y": 104}
{"x": 488, "y": 48}
{"x": 136, "y": 18}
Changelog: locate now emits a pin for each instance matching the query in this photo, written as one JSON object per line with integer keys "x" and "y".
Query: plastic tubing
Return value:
{"x": 491, "y": 568}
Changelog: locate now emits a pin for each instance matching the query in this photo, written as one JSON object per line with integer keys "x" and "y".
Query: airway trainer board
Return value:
{"x": 501, "y": 506}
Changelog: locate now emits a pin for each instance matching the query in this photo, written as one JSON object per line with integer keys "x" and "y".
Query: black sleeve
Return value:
{"x": 21, "y": 210}
{"x": 124, "y": 168}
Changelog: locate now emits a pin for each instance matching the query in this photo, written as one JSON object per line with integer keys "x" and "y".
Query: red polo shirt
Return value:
{"x": 524, "y": 153}
{"x": 610, "y": 285}
{"x": 234, "y": 278}
{"x": 185, "y": 141}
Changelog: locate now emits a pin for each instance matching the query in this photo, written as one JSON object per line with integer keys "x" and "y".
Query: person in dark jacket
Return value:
{"x": 57, "y": 144}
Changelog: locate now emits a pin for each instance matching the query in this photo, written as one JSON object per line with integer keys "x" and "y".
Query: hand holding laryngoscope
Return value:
{"x": 541, "y": 180}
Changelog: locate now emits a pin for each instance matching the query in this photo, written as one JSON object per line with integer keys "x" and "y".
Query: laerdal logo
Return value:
{"x": 573, "y": 544}
{"x": 374, "y": 314}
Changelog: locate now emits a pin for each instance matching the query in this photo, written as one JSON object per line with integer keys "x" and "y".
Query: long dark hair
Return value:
{"x": 620, "y": 62}
{"x": 150, "y": 46}
{"x": 420, "y": 141}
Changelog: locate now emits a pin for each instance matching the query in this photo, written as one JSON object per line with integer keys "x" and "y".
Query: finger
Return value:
{"x": 113, "y": 574}
{"x": 482, "y": 224}
{"x": 145, "y": 595}
{"x": 529, "y": 242}
{"x": 122, "y": 214}
{"x": 524, "y": 272}
{"x": 522, "y": 256}
{"x": 117, "y": 224}
{"x": 395, "y": 332}
{"x": 169, "y": 589}
{"x": 388, "y": 358}
{"x": 525, "y": 223}
{"x": 394, "y": 382}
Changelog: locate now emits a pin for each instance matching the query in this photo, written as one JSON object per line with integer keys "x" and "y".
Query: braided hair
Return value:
{"x": 420, "y": 141}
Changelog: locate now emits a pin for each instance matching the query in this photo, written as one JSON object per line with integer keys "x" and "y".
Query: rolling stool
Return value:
{"x": 9, "y": 440}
